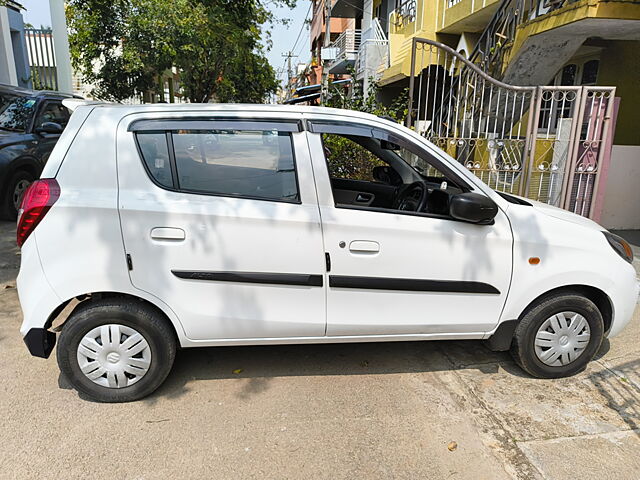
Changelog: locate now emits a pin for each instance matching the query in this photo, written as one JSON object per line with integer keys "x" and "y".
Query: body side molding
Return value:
{"x": 411, "y": 284}
{"x": 301, "y": 279}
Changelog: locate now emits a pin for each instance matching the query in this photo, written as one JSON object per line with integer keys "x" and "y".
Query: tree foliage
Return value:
{"x": 122, "y": 46}
{"x": 368, "y": 101}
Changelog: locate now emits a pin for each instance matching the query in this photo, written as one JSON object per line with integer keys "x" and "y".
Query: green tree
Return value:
{"x": 123, "y": 46}
{"x": 355, "y": 98}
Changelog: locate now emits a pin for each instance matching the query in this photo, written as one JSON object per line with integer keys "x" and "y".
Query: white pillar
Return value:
{"x": 61, "y": 45}
{"x": 7, "y": 63}
{"x": 367, "y": 14}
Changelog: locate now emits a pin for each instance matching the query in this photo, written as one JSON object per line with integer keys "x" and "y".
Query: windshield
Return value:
{"x": 15, "y": 112}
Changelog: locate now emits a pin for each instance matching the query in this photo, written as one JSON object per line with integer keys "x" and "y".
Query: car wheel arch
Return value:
{"x": 22, "y": 164}
{"x": 85, "y": 300}
{"x": 500, "y": 340}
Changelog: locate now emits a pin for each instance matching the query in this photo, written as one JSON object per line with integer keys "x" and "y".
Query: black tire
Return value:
{"x": 522, "y": 345}
{"x": 8, "y": 210}
{"x": 146, "y": 320}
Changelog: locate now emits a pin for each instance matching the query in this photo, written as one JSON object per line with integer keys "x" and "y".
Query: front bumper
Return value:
{"x": 40, "y": 342}
{"x": 624, "y": 304}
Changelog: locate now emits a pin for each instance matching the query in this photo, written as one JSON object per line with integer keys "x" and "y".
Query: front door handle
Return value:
{"x": 364, "y": 246}
{"x": 168, "y": 233}
{"x": 364, "y": 197}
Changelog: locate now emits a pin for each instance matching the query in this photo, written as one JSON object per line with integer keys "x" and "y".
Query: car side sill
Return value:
{"x": 187, "y": 342}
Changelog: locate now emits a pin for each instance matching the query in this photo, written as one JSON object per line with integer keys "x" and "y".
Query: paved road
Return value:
{"x": 326, "y": 411}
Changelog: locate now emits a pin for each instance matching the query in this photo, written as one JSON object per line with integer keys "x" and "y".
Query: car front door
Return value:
{"x": 396, "y": 272}
{"x": 221, "y": 222}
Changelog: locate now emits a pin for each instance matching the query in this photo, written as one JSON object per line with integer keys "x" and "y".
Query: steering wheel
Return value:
{"x": 412, "y": 197}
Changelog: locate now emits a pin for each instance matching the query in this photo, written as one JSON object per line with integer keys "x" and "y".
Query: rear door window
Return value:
{"x": 155, "y": 154}
{"x": 244, "y": 162}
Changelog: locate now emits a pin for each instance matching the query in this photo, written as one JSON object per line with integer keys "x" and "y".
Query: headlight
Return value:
{"x": 620, "y": 245}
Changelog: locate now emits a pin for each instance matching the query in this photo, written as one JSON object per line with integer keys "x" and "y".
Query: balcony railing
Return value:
{"x": 404, "y": 13}
{"x": 347, "y": 43}
{"x": 501, "y": 30}
{"x": 373, "y": 55}
{"x": 346, "y": 51}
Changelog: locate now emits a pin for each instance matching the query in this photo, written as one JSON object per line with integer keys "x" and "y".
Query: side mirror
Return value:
{"x": 387, "y": 175}
{"x": 386, "y": 145}
{"x": 49, "y": 127}
{"x": 473, "y": 208}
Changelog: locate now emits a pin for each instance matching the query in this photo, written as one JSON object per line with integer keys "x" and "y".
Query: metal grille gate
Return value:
{"x": 42, "y": 62}
{"x": 542, "y": 142}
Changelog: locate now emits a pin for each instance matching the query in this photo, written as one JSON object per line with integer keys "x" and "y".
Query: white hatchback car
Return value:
{"x": 211, "y": 225}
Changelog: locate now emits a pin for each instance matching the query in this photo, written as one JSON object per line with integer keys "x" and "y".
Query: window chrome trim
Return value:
{"x": 218, "y": 123}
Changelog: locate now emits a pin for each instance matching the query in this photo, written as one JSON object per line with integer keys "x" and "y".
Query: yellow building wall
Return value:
{"x": 434, "y": 20}
{"x": 620, "y": 66}
{"x": 400, "y": 38}
{"x": 573, "y": 12}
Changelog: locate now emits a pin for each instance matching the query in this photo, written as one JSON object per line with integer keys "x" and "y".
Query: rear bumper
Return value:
{"x": 37, "y": 300}
{"x": 40, "y": 342}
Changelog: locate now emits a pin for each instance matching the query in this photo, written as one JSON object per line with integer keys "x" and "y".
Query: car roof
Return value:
{"x": 232, "y": 108}
{"x": 35, "y": 93}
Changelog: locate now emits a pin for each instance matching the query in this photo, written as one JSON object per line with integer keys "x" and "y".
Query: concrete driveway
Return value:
{"x": 325, "y": 411}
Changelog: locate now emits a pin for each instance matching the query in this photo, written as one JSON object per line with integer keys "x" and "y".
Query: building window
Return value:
{"x": 590, "y": 72}
{"x": 568, "y": 74}
{"x": 558, "y": 105}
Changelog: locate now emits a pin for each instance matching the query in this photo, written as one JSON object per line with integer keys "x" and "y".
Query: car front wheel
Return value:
{"x": 116, "y": 350}
{"x": 558, "y": 336}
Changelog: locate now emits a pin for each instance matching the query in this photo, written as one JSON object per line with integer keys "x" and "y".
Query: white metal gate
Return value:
{"x": 42, "y": 61}
{"x": 545, "y": 143}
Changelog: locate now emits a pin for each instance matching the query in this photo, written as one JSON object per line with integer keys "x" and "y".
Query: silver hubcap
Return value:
{"x": 18, "y": 192}
{"x": 114, "y": 356}
{"x": 562, "y": 338}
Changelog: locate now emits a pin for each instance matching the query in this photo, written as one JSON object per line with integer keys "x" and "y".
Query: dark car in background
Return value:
{"x": 30, "y": 124}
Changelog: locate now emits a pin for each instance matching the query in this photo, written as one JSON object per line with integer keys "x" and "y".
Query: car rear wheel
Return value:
{"x": 116, "y": 350}
{"x": 558, "y": 336}
{"x": 12, "y": 197}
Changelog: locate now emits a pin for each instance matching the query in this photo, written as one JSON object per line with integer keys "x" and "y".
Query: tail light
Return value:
{"x": 36, "y": 202}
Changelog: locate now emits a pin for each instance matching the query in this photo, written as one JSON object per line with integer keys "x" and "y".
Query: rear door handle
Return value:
{"x": 364, "y": 246}
{"x": 167, "y": 233}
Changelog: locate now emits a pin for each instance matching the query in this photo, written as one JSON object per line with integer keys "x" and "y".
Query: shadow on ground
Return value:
{"x": 262, "y": 363}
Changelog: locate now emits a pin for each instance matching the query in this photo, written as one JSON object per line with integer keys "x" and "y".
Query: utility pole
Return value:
{"x": 289, "y": 55}
{"x": 324, "y": 87}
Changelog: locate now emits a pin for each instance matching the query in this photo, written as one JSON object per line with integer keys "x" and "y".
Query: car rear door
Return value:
{"x": 220, "y": 220}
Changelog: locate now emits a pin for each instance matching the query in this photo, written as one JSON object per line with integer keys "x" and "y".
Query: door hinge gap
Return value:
{"x": 129, "y": 262}
{"x": 327, "y": 259}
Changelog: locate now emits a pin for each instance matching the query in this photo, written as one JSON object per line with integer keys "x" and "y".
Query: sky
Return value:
{"x": 283, "y": 37}
{"x": 37, "y": 12}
